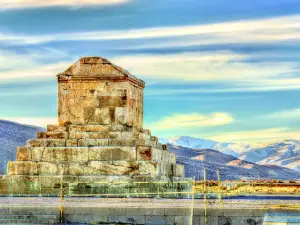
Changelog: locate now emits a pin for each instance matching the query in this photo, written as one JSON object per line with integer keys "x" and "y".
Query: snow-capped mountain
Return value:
{"x": 13, "y": 135}
{"x": 284, "y": 153}
{"x": 234, "y": 149}
{"x": 231, "y": 168}
{"x": 189, "y": 142}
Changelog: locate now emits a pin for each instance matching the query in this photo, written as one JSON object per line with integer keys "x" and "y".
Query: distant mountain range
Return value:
{"x": 284, "y": 153}
{"x": 231, "y": 168}
{"x": 13, "y": 135}
{"x": 233, "y": 160}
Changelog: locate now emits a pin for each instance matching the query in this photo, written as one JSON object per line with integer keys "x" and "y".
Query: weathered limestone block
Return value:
{"x": 23, "y": 153}
{"x": 115, "y": 168}
{"x": 124, "y": 135}
{"x": 92, "y": 142}
{"x": 144, "y": 153}
{"x": 46, "y": 143}
{"x": 75, "y": 169}
{"x": 178, "y": 170}
{"x": 144, "y": 136}
{"x": 148, "y": 168}
{"x": 3, "y": 185}
{"x": 52, "y": 135}
{"x": 46, "y": 168}
{"x": 54, "y": 181}
{"x": 121, "y": 115}
{"x": 157, "y": 154}
{"x": 164, "y": 147}
{"x": 102, "y": 115}
{"x": 154, "y": 138}
{"x": 115, "y": 98}
{"x": 88, "y": 128}
{"x": 125, "y": 142}
{"x": 91, "y": 179}
{"x": 23, "y": 184}
{"x": 123, "y": 127}
{"x": 116, "y": 134}
{"x": 121, "y": 168}
{"x": 171, "y": 170}
{"x": 112, "y": 153}
{"x": 151, "y": 143}
{"x": 22, "y": 168}
{"x": 60, "y": 154}
{"x": 168, "y": 157}
{"x": 89, "y": 135}
{"x": 33, "y": 168}
{"x": 72, "y": 142}
{"x": 56, "y": 128}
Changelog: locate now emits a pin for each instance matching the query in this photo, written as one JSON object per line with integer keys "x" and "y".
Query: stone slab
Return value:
{"x": 52, "y": 135}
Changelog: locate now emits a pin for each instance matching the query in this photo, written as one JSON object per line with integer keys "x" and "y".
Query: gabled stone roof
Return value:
{"x": 96, "y": 68}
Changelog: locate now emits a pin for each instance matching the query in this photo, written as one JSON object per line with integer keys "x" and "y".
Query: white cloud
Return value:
{"x": 254, "y": 136}
{"x": 9, "y": 60}
{"x": 222, "y": 67}
{"x": 258, "y": 88}
{"x": 31, "y": 64}
{"x": 16, "y": 4}
{"x": 36, "y": 121}
{"x": 204, "y": 66}
{"x": 40, "y": 72}
{"x": 247, "y": 31}
{"x": 285, "y": 114}
{"x": 179, "y": 121}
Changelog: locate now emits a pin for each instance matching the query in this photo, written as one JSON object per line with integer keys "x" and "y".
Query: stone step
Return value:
{"x": 56, "y": 128}
{"x": 29, "y": 211}
{"x": 52, "y": 135}
{"x": 91, "y": 168}
{"x": 27, "y": 221}
{"x": 95, "y": 135}
{"x": 95, "y": 128}
{"x": 85, "y": 154}
{"x": 50, "y": 181}
{"x": 91, "y": 142}
{"x": 32, "y": 216}
{"x": 51, "y": 184}
{"x": 90, "y": 135}
{"x": 24, "y": 223}
{"x": 99, "y": 128}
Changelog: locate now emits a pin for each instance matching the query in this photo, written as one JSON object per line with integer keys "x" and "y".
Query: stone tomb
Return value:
{"x": 99, "y": 140}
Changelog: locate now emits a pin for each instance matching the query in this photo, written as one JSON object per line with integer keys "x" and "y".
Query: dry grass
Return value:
{"x": 256, "y": 187}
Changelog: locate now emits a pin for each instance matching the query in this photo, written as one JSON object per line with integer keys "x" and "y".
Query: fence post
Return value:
{"x": 61, "y": 199}
{"x": 219, "y": 188}
{"x": 204, "y": 179}
{"x": 204, "y": 193}
{"x": 193, "y": 200}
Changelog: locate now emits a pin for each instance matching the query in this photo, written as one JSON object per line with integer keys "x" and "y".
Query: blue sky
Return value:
{"x": 222, "y": 70}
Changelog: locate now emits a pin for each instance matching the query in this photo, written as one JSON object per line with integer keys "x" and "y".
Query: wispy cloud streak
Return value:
{"x": 17, "y": 4}
{"x": 262, "y": 135}
{"x": 247, "y": 31}
{"x": 196, "y": 120}
{"x": 285, "y": 114}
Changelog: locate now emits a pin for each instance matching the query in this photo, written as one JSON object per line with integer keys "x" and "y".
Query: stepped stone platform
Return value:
{"x": 99, "y": 136}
